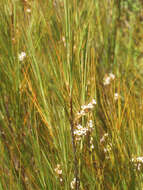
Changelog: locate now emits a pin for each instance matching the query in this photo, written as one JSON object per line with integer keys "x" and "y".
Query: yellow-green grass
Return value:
{"x": 71, "y": 48}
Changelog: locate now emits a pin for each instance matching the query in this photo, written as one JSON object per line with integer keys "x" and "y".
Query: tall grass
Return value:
{"x": 72, "y": 48}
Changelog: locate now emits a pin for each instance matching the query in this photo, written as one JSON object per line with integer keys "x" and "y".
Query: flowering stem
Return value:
{"x": 77, "y": 183}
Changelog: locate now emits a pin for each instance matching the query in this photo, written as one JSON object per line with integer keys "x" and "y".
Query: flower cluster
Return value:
{"x": 73, "y": 182}
{"x": 108, "y": 78}
{"x": 21, "y": 56}
{"x": 138, "y": 162}
{"x": 90, "y": 125}
{"x": 81, "y": 131}
{"x": 86, "y": 108}
{"x": 58, "y": 171}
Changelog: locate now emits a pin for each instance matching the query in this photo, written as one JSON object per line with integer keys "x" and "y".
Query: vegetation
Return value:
{"x": 71, "y": 95}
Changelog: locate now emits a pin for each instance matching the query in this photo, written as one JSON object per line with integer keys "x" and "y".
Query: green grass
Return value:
{"x": 71, "y": 48}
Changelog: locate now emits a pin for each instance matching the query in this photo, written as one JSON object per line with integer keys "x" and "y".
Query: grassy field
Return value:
{"x": 71, "y": 95}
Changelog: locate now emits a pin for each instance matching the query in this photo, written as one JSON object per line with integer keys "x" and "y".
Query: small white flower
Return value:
{"x": 90, "y": 124}
{"x": 104, "y": 138}
{"x": 139, "y": 166}
{"x": 112, "y": 76}
{"x": 58, "y": 169}
{"x": 79, "y": 127}
{"x": 28, "y": 10}
{"x": 86, "y": 108}
{"x": 106, "y": 81}
{"x": 92, "y": 146}
{"x": 90, "y": 106}
{"x": 91, "y": 143}
{"x": 21, "y": 56}
{"x": 116, "y": 96}
{"x": 94, "y": 102}
{"x": 81, "y": 113}
{"x": 83, "y": 107}
{"x": 140, "y": 159}
{"x": 108, "y": 78}
{"x": 61, "y": 179}
{"x": 79, "y": 132}
{"x": 73, "y": 183}
{"x": 138, "y": 162}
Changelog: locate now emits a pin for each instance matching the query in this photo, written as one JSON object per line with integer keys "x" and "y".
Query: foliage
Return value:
{"x": 71, "y": 94}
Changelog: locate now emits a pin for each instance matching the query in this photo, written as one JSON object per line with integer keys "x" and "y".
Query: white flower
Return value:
{"x": 28, "y": 10}
{"x": 21, "y": 56}
{"x": 83, "y": 107}
{"x": 73, "y": 183}
{"x": 106, "y": 81}
{"x": 79, "y": 132}
{"x": 139, "y": 166}
{"x": 116, "y": 96}
{"x": 90, "y": 106}
{"x": 104, "y": 138}
{"x": 91, "y": 143}
{"x": 138, "y": 162}
{"x": 138, "y": 159}
{"x": 92, "y": 146}
{"x": 81, "y": 113}
{"x": 58, "y": 169}
{"x": 61, "y": 179}
{"x": 94, "y": 102}
{"x": 79, "y": 127}
{"x": 86, "y": 108}
{"x": 108, "y": 78}
{"x": 112, "y": 76}
{"x": 90, "y": 124}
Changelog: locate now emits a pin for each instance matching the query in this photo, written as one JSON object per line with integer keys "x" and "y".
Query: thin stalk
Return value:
{"x": 69, "y": 35}
{"x": 77, "y": 183}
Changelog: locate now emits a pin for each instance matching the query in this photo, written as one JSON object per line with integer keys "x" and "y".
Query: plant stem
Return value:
{"x": 77, "y": 184}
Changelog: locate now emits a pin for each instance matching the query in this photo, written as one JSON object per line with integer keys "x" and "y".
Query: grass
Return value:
{"x": 71, "y": 47}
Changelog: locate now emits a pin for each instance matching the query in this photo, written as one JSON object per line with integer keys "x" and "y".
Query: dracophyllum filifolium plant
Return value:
{"x": 70, "y": 95}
